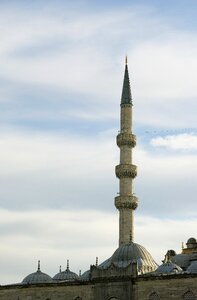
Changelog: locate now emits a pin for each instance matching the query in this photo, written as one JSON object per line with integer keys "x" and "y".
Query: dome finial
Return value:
{"x": 67, "y": 268}
{"x": 79, "y": 273}
{"x": 126, "y": 60}
{"x": 60, "y": 269}
{"x": 38, "y": 265}
{"x": 97, "y": 261}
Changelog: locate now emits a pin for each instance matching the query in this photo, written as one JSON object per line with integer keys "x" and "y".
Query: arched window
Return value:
{"x": 189, "y": 296}
{"x": 78, "y": 298}
{"x": 113, "y": 298}
{"x": 154, "y": 296}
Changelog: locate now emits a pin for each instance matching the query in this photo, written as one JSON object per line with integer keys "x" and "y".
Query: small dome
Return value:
{"x": 129, "y": 253}
{"x": 193, "y": 267}
{"x": 168, "y": 268}
{"x": 37, "y": 277}
{"x": 85, "y": 276}
{"x": 66, "y": 275}
{"x": 191, "y": 241}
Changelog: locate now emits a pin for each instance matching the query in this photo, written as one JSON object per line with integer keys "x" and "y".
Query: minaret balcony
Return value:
{"x": 126, "y": 171}
{"x": 130, "y": 202}
{"x": 125, "y": 138}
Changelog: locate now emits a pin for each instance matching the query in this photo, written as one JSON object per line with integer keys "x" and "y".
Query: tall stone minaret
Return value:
{"x": 126, "y": 202}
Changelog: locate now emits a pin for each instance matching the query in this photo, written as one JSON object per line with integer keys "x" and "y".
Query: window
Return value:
{"x": 189, "y": 296}
{"x": 154, "y": 296}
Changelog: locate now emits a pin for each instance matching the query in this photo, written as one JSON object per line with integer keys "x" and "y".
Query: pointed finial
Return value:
{"x": 67, "y": 268}
{"x": 79, "y": 273}
{"x": 182, "y": 245}
{"x": 60, "y": 269}
{"x": 97, "y": 261}
{"x": 126, "y": 60}
{"x": 39, "y": 265}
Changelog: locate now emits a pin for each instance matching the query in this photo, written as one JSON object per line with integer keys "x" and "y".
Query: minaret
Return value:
{"x": 126, "y": 202}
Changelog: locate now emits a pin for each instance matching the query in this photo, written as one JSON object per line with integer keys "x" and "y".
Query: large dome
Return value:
{"x": 37, "y": 277}
{"x": 132, "y": 252}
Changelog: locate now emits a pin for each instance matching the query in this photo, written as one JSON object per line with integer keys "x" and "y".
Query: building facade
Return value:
{"x": 130, "y": 273}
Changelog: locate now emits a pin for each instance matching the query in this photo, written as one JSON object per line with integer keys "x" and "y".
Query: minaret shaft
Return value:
{"x": 126, "y": 202}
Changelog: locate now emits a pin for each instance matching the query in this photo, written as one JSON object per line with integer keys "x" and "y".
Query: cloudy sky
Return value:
{"x": 61, "y": 72}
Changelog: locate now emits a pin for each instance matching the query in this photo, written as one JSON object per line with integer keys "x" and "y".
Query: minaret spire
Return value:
{"x": 126, "y": 90}
{"x": 126, "y": 202}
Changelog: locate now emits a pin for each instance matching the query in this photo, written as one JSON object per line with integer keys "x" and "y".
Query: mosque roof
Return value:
{"x": 85, "y": 276}
{"x": 37, "y": 277}
{"x": 192, "y": 267}
{"x": 168, "y": 268}
{"x": 191, "y": 241}
{"x": 66, "y": 275}
{"x": 130, "y": 253}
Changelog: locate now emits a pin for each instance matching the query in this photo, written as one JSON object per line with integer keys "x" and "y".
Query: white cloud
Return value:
{"x": 176, "y": 142}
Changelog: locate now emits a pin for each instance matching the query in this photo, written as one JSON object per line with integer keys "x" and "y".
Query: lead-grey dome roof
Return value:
{"x": 183, "y": 260}
{"x": 168, "y": 268}
{"x": 37, "y": 277}
{"x": 192, "y": 268}
{"x": 191, "y": 241}
{"x": 85, "y": 276}
{"x": 132, "y": 252}
{"x": 66, "y": 275}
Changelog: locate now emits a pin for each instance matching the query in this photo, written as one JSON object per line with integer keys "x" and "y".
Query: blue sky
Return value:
{"x": 61, "y": 74}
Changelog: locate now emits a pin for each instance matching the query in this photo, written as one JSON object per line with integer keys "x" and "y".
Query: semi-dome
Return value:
{"x": 192, "y": 267}
{"x": 168, "y": 268}
{"x": 132, "y": 252}
{"x": 66, "y": 275}
{"x": 37, "y": 277}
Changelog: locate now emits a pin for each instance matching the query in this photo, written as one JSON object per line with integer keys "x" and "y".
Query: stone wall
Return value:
{"x": 166, "y": 287}
{"x": 47, "y": 292}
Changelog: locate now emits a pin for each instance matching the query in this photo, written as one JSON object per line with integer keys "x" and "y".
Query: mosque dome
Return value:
{"x": 192, "y": 267}
{"x": 168, "y": 268}
{"x": 37, "y": 277}
{"x": 191, "y": 240}
{"x": 85, "y": 276}
{"x": 66, "y": 275}
{"x": 191, "y": 243}
{"x": 132, "y": 252}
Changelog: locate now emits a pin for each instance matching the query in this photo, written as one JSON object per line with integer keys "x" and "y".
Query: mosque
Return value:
{"x": 130, "y": 273}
